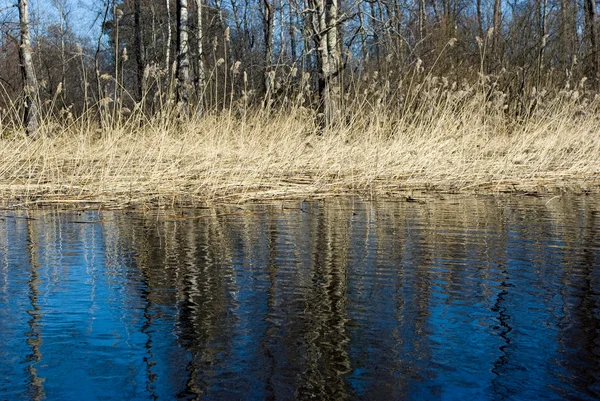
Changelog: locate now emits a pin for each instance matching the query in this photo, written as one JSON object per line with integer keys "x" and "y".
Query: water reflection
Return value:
{"x": 480, "y": 298}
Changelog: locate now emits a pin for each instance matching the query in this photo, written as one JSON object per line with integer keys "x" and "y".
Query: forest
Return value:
{"x": 183, "y": 101}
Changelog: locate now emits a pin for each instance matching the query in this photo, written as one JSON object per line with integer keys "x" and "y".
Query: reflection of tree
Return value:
{"x": 272, "y": 301}
{"x": 147, "y": 241}
{"x": 499, "y": 285}
{"x": 181, "y": 264}
{"x": 34, "y": 338}
{"x": 325, "y": 312}
{"x": 340, "y": 302}
{"x": 204, "y": 321}
{"x": 502, "y": 362}
{"x": 580, "y": 337}
{"x": 415, "y": 296}
{"x": 147, "y": 329}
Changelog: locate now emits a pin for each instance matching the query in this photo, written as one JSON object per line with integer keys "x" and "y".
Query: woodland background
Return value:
{"x": 215, "y": 54}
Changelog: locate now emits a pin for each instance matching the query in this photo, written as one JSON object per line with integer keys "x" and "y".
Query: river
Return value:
{"x": 455, "y": 298}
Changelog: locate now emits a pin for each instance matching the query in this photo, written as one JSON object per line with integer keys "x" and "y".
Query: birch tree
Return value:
{"x": 30, "y": 85}
{"x": 268, "y": 17}
{"x": 168, "y": 41}
{"x": 183, "y": 58}
{"x": 200, "y": 84}
{"x": 325, "y": 36}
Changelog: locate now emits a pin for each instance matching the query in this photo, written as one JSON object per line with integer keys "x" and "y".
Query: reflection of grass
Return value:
{"x": 458, "y": 144}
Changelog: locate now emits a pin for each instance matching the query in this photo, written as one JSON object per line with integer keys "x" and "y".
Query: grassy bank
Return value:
{"x": 457, "y": 145}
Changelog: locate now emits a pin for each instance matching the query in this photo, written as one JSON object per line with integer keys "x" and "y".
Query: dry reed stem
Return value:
{"x": 226, "y": 158}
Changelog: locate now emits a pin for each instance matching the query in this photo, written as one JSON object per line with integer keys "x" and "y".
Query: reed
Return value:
{"x": 430, "y": 136}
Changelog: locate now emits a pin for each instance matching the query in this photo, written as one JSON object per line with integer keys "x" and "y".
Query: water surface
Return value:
{"x": 492, "y": 298}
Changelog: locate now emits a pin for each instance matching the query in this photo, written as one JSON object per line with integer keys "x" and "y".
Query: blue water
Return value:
{"x": 482, "y": 298}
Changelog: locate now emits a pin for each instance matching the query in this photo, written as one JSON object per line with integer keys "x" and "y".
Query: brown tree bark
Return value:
{"x": 567, "y": 33}
{"x": 139, "y": 49}
{"x": 496, "y": 35}
{"x": 292, "y": 32}
{"x": 479, "y": 19}
{"x": 591, "y": 18}
{"x": 422, "y": 20}
{"x": 543, "y": 34}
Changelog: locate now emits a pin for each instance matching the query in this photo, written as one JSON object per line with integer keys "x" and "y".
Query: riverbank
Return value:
{"x": 228, "y": 158}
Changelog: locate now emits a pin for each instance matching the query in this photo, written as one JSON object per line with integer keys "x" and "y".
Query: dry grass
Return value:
{"x": 377, "y": 151}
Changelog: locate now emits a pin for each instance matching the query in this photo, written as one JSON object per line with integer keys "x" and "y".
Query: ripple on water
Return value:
{"x": 473, "y": 298}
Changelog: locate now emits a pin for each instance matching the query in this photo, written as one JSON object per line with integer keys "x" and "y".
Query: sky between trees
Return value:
{"x": 311, "y": 52}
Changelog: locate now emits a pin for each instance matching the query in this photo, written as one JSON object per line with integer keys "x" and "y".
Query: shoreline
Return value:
{"x": 283, "y": 155}
{"x": 47, "y": 198}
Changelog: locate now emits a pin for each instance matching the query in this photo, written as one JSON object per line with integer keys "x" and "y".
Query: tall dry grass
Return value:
{"x": 433, "y": 135}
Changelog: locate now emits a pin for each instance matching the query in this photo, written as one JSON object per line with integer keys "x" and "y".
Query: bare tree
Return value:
{"x": 139, "y": 49}
{"x": 292, "y": 30}
{"x": 543, "y": 37}
{"x": 200, "y": 79}
{"x": 497, "y": 27}
{"x": 567, "y": 33}
{"x": 169, "y": 39}
{"x": 183, "y": 58}
{"x": 30, "y": 84}
{"x": 62, "y": 8}
{"x": 537, "y": 42}
{"x": 591, "y": 22}
{"x": 479, "y": 19}
{"x": 100, "y": 88}
{"x": 325, "y": 36}
{"x": 268, "y": 18}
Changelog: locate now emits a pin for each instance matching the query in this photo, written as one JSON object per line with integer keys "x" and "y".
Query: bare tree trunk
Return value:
{"x": 139, "y": 49}
{"x": 422, "y": 20}
{"x": 363, "y": 36}
{"x": 268, "y": 14}
{"x": 567, "y": 32}
{"x": 101, "y": 104}
{"x": 436, "y": 12}
{"x": 219, "y": 8}
{"x": 375, "y": 23}
{"x": 325, "y": 34}
{"x": 333, "y": 49}
{"x": 543, "y": 33}
{"x": 62, "y": 28}
{"x": 282, "y": 39}
{"x": 591, "y": 22}
{"x": 183, "y": 58}
{"x": 169, "y": 39}
{"x": 30, "y": 84}
{"x": 563, "y": 34}
{"x": 399, "y": 43}
{"x": 497, "y": 25}
{"x": 292, "y": 33}
{"x": 308, "y": 36}
{"x": 238, "y": 26}
{"x": 479, "y": 19}
{"x": 335, "y": 59}
{"x": 200, "y": 78}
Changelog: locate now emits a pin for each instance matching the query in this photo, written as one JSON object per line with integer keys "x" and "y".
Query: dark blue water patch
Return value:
{"x": 476, "y": 298}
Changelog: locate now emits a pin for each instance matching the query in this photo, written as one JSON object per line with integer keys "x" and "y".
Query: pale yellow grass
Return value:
{"x": 225, "y": 158}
